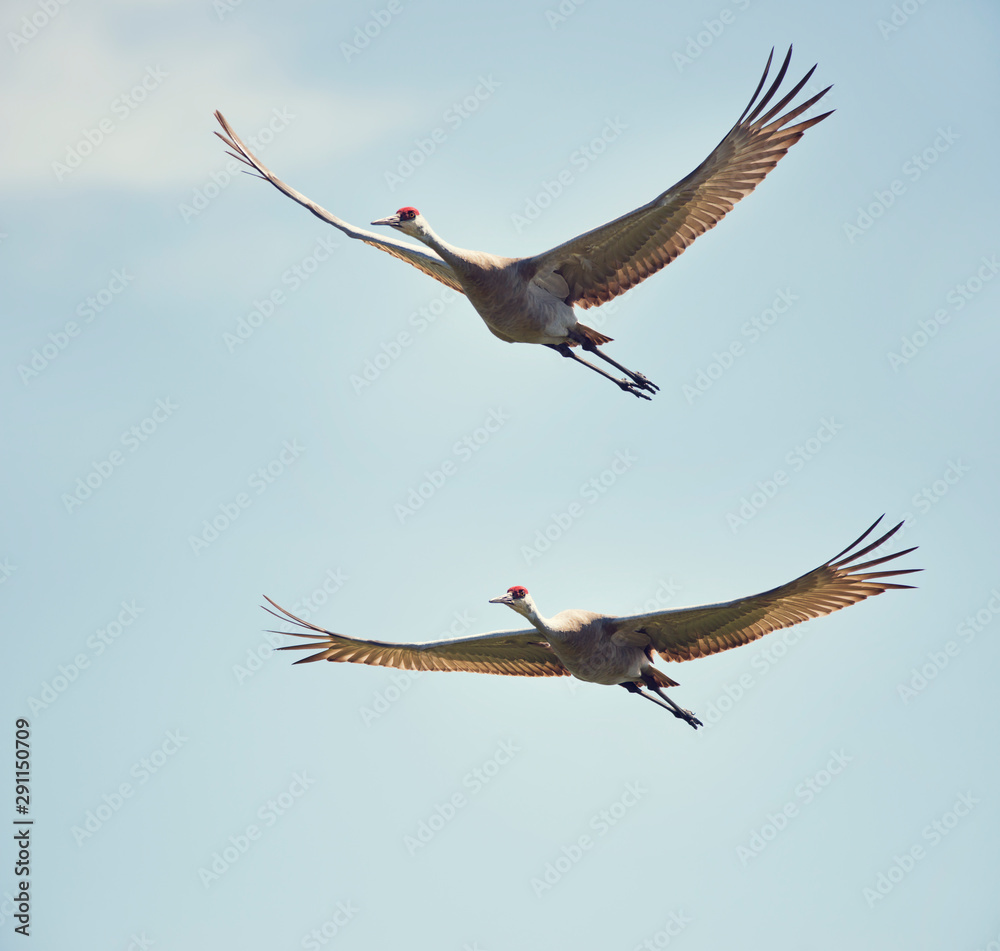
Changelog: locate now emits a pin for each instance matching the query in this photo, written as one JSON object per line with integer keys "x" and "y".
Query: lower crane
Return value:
{"x": 603, "y": 649}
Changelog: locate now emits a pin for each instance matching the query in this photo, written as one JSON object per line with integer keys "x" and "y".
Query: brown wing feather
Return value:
{"x": 607, "y": 261}
{"x": 687, "y": 633}
{"x": 514, "y": 653}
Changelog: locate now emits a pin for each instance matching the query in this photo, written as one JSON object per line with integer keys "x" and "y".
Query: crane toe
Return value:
{"x": 633, "y": 388}
{"x": 690, "y": 718}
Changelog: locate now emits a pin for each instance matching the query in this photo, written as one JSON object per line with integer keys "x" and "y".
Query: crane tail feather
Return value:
{"x": 661, "y": 678}
{"x": 593, "y": 336}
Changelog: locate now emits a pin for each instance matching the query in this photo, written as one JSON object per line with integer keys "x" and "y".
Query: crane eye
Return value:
{"x": 517, "y": 592}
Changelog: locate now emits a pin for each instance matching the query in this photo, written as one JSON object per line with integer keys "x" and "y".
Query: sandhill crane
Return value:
{"x": 603, "y": 649}
{"x": 531, "y": 300}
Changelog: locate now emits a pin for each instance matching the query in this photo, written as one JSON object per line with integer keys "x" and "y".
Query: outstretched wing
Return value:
{"x": 423, "y": 258}
{"x": 518, "y": 653}
{"x": 607, "y": 261}
{"x": 686, "y": 633}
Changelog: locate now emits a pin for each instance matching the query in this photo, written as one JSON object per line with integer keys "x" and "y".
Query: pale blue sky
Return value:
{"x": 340, "y": 769}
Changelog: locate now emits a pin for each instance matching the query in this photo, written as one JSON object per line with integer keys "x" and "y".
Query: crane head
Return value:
{"x": 408, "y": 220}
{"x": 517, "y": 598}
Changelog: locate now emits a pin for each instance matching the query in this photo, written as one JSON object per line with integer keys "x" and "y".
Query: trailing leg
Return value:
{"x": 677, "y": 711}
{"x": 588, "y": 345}
{"x": 669, "y": 705}
{"x": 567, "y": 351}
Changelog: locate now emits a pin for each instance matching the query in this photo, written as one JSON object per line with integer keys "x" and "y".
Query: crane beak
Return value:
{"x": 392, "y": 221}
{"x": 506, "y": 599}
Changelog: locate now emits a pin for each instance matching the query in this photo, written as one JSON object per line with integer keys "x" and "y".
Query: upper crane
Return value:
{"x": 531, "y": 300}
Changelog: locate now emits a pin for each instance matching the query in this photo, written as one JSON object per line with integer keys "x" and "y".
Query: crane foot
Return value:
{"x": 646, "y": 384}
{"x": 629, "y": 387}
{"x": 688, "y": 717}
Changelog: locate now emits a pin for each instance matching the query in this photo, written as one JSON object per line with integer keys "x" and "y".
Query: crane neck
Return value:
{"x": 540, "y": 622}
{"x": 448, "y": 252}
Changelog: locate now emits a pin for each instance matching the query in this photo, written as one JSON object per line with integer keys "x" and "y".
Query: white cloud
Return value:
{"x": 70, "y": 94}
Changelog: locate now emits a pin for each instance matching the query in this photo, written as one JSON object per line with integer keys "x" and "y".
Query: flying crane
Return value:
{"x": 532, "y": 300}
{"x": 605, "y": 649}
